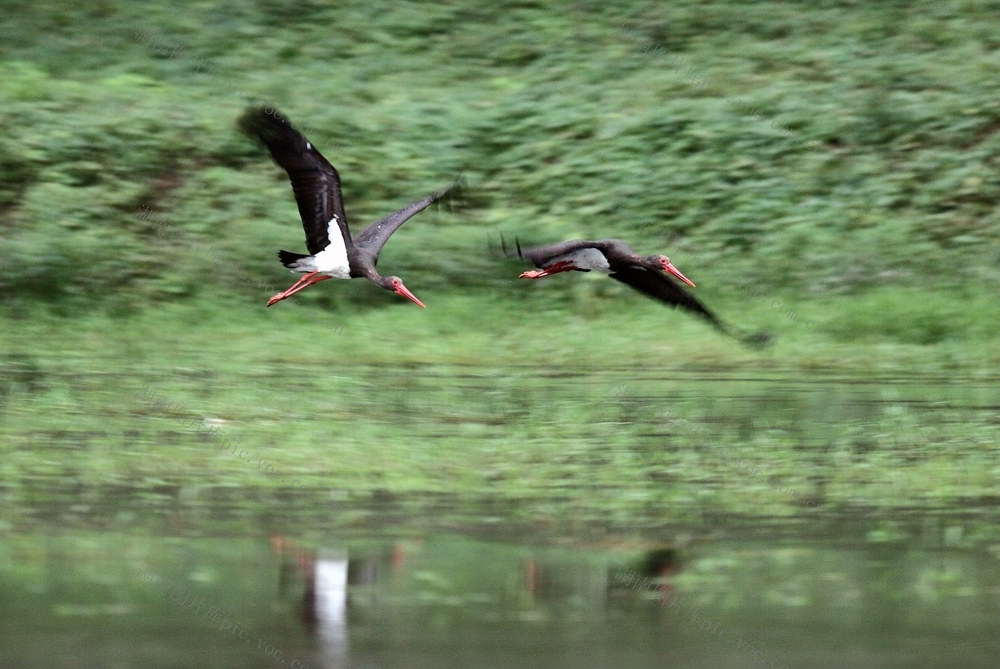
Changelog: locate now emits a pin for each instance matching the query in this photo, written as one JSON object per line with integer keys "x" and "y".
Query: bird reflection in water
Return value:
{"x": 662, "y": 564}
{"x": 323, "y": 577}
{"x": 655, "y": 570}
{"x": 323, "y": 608}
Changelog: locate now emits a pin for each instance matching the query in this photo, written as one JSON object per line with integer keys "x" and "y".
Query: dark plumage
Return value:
{"x": 650, "y": 275}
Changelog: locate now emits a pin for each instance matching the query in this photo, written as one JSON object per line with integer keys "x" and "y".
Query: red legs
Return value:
{"x": 532, "y": 274}
{"x": 306, "y": 281}
{"x": 561, "y": 266}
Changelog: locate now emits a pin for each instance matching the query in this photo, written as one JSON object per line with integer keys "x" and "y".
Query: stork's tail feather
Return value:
{"x": 507, "y": 253}
{"x": 291, "y": 260}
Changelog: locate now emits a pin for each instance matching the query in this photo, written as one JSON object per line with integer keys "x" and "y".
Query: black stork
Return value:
{"x": 316, "y": 184}
{"x": 647, "y": 274}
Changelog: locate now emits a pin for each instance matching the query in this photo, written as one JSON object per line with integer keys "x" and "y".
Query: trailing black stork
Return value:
{"x": 647, "y": 274}
{"x": 316, "y": 184}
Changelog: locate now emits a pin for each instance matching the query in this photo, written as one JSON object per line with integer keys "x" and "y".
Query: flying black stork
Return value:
{"x": 316, "y": 184}
{"x": 647, "y": 274}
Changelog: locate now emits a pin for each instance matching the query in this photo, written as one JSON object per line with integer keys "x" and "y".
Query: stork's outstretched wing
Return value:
{"x": 315, "y": 182}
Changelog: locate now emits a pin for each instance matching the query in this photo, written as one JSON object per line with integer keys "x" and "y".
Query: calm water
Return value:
{"x": 132, "y": 576}
{"x": 90, "y": 599}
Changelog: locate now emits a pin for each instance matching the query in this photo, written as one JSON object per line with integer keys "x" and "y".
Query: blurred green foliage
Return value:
{"x": 820, "y": 147}
{"x": 823, "y": 170}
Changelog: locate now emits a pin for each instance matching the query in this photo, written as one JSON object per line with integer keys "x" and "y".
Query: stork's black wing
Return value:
{"x": 661, "y": 287}
{"x": 314, "y": 180}
{"x": 374, "y": 237}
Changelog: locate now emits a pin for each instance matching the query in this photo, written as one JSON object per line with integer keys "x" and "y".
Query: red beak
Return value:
{"x": 405, "y": 292}
{"x": 670, "y": 269}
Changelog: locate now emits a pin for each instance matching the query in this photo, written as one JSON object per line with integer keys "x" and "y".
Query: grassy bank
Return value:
{"x": 630, "y": 413}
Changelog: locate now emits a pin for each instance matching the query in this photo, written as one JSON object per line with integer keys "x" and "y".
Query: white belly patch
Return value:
{"x": 333, "y": 259}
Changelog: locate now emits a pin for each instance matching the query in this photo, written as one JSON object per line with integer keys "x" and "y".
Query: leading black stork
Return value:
{"x": 316, "y": 184}
{"x": 647, "y": 274}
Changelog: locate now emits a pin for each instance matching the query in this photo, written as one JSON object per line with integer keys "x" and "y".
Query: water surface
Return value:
{"x": 86, "y": 599}
{"x": 553, "y": 518}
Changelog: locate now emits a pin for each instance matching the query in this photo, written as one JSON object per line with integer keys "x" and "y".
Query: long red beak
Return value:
{"x": 405, "y": 292}
{"x": 670, "y": 269}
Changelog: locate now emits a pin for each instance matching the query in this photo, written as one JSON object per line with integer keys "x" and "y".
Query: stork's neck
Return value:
{"x": 372, "y": 275}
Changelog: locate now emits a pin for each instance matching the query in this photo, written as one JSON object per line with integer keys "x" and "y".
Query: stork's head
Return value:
{"x": 395, "y": 284}
{"x": 663, "y": 263}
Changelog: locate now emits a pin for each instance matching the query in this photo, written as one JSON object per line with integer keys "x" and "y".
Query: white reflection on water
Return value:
{"x": 331, "y": 608}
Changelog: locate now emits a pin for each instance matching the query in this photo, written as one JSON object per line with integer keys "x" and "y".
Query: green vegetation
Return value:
{"x": 842, "y": 159}
{"x": 528, "y": 424}
{"x": 561, "y": 122}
